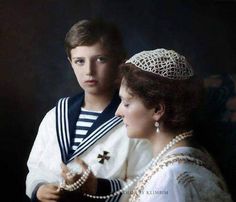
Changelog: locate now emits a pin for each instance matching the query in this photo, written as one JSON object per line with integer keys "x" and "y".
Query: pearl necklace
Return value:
{"x": 175, "y": 140}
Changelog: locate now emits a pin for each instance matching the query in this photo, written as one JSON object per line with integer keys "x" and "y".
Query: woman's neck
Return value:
{"x": 160, "y": 140}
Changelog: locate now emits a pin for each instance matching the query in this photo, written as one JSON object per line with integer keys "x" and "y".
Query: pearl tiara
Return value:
{"x": 165, "y": 63}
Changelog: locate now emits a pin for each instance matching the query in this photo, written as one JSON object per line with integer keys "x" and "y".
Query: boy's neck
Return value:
{"x": 96, "y": 102}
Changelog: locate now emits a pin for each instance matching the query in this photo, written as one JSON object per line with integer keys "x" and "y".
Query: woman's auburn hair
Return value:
{"x": 183, "y": 99}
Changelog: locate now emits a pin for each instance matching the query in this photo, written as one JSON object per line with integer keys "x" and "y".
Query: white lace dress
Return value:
{"x": 184, "y": 174}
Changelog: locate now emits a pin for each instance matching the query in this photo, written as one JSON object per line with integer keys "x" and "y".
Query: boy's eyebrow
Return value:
{"x": 94, "y": 56}
{"x": 77, "y": 57}
{"x": 103, "y": 55}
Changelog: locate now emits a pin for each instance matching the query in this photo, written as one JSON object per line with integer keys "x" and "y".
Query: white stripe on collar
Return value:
{"x": 62, "y": 125}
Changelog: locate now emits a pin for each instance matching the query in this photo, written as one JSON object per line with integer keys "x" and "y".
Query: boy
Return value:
{"x": 85, "y": 125}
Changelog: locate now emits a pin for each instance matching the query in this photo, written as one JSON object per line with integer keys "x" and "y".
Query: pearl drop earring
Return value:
{"x": 157, "y": 125}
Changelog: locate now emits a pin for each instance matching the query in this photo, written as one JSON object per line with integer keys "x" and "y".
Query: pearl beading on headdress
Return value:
{"x": 165, "y": 63}
{"x": 174, "y": 141}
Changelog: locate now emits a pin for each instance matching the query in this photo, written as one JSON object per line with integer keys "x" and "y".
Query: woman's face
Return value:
{"x": 138, "y": 120}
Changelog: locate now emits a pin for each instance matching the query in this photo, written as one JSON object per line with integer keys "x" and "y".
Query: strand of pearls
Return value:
{"x": 77, "y": 184}
{"x": 177, "y": 139}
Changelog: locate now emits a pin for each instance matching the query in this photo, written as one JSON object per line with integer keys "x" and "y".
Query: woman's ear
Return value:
{"x": 159, "y": 112}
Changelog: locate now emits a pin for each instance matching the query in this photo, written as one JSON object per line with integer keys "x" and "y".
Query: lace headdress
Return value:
{"x": 165, "y": 63}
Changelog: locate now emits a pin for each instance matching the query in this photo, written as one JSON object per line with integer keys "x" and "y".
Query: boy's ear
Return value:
{"x": 69, "y": 60}
{"x": 159, "y": 112}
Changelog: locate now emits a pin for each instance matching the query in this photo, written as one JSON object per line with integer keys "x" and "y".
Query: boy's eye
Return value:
{"x": 102, "y": 59}
{"x": 79, "y": 61}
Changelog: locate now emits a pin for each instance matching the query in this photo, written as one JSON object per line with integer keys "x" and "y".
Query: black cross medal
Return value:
{"x": 103, "y": 157}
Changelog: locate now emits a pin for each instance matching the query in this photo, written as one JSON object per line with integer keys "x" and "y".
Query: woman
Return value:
{"x": 160, "y": 99}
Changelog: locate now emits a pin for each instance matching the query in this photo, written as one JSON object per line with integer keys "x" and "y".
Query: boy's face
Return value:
{"x": 95, "y": 69}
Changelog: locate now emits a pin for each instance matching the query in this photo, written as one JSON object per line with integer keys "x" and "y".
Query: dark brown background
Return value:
{"x": 35, "y": 72}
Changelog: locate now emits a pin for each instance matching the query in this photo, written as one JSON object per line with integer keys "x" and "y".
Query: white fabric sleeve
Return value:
{"x": 37, "y": 173}
{"x": 176, "y": 185}
{"x": 140, "y": 155}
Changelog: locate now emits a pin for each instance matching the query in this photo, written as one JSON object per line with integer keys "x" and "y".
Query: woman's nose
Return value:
{"x": 118, "y": 111}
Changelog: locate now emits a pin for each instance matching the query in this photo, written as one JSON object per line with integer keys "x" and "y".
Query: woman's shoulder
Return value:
{"x": 186, "y": 160}
{"x": 185, "y": 173}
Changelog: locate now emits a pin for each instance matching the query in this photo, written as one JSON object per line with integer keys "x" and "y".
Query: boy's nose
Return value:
{"x": 89, "y": 68}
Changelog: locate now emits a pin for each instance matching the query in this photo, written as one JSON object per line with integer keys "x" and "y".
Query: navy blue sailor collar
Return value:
{"x": 67, "y": 112}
